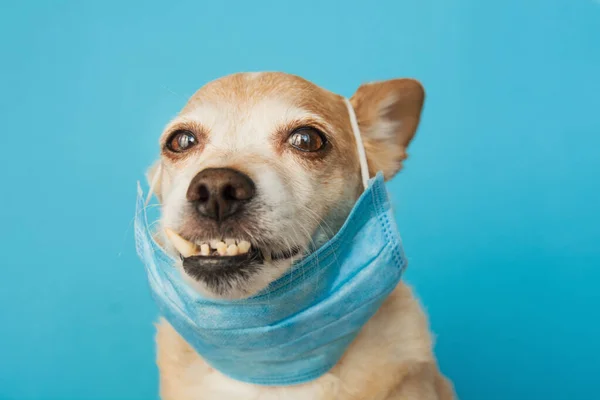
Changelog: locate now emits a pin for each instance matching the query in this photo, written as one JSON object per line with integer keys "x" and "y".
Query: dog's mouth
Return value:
{"x": 225, "y": 253}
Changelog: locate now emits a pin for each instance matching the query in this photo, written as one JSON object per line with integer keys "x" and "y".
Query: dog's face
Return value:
{"x": 257, "y": 168}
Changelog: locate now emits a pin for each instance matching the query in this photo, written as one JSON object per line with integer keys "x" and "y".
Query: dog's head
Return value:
{"x": 258, "y": 167}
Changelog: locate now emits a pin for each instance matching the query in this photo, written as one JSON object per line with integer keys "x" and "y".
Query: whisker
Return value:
{"x": 186, "y": 98}
{"x": 309, "y": 235}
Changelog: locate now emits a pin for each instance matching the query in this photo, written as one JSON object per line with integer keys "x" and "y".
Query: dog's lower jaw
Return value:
{"x": 237, "y": 288}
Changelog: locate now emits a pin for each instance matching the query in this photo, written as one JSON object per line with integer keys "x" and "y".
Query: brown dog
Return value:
{"x": 286, "y": 148}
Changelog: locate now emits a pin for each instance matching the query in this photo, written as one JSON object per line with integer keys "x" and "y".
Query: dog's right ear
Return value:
{"x": 154, "y": 177}
{"x": 388, "y": 114}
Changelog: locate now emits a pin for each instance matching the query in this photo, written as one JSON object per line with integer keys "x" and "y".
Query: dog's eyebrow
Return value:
{"x": 312, "y": 121}
{"x": 183, "y": 124}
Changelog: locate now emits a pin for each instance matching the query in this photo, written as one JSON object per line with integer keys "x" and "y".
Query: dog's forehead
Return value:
{"x": 246, "y": 89}
{"x": 259, "y": 101}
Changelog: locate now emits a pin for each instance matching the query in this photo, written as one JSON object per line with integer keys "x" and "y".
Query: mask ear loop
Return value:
{"x": 362, "y": 156}
{"x": 157, "y": 176}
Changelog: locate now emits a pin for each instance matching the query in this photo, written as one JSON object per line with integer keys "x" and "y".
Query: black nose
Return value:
{"x": 218, "y": 193}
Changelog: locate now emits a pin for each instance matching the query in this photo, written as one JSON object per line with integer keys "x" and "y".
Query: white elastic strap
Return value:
{"x": 362, "y": 156}
{"x": 155, "y": 179}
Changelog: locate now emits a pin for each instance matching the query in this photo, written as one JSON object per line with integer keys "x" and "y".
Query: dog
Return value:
{"x": 269, "y": 160}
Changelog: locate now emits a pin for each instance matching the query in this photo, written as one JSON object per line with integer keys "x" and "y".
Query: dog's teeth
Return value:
{"x": 229, "y": 242}
{"x": 205, "y": 250}
{"x": 213, "y": 244}
{"x": 185, "y": 248}
{"x": 243, "y": 247}
{"x": 221, "y": 248}
{"x": 232, "y": 250}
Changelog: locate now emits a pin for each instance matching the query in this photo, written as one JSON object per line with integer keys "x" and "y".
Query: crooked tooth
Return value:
{"x": 205, "y": 250}
{"x": 232, "y": 250}
{"x": 184, "y": 247}
{"x": 229, "y": 242}
{"x": 221, "y": 248}
{"x": 267, "y": 256}
{"x": 243, "y": 247}
{"x": 213, "y": 244}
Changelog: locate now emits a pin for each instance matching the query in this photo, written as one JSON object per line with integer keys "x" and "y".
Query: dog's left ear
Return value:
{"x": 388, "y": 115}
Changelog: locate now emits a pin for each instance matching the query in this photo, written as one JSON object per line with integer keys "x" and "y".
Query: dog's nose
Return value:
{"x": 218, "y": 193}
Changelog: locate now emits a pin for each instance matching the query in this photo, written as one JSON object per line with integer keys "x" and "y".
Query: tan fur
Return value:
{"x": 242, "y": 122}
{"x": 388, "y": 114}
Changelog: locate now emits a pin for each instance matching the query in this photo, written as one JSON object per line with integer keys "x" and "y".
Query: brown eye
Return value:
{"x": 307, "y": 139}
{"x": 181, "y": 141}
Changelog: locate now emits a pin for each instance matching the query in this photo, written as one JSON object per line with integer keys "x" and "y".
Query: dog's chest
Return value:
{"x": 216, "y": 386}
{"x": 371, "y": 367}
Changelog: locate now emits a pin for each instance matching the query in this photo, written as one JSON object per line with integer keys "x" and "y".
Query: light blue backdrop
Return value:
{"x": 498, "y": 205}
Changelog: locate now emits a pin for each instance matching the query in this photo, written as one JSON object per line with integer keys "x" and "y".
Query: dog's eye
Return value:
{"x": 307, "y": 139}
{"x": 181, "y": 141}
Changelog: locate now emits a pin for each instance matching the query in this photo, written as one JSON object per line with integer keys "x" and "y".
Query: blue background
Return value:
{"x": 498, "y": 205}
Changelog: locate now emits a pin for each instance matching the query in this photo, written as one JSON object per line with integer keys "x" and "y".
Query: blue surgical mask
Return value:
{"x": 297, "y": 328}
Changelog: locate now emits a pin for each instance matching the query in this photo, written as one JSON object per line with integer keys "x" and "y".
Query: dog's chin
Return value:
{"x": 232, "y": 279}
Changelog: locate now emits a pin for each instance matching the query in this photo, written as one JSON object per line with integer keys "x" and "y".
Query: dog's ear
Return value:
{"x": 388, "y": 114}
{"x": 154, "y": 178}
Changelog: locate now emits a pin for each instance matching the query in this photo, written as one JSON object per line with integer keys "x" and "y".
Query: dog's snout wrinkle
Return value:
{"x": 219, "y": 193}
